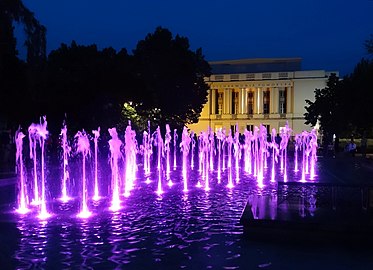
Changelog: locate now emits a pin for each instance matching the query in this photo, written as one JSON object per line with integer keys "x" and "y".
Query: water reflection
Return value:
{"x": 32, "y": 248}
{"x": 194, "y": 229}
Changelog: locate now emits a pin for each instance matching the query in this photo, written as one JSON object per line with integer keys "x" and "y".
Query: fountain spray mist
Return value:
{"x": 65, "y": 162}
{"x": 22, "y": 194}
{"x": 96, "y": 133}
{"x": 83, "y": 147}
{"x": 115, "y": 155}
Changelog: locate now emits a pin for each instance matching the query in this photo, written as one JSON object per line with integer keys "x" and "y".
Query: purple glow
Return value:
{"x": 248, "y": 150}
{"x": 65, "y": 162}
{"x": 237, "y": 153}
{"x": 184, "y": 147}
{"x": 83, "y": 147}
{"x": 158, "y": 141}
{"x": 159, "y": 188}
{"x": 146, "y": 149}
{"x": 250, "y": 157}
{"x": 229, "y": 141}
{"x": 211, "y": 146}
{"x": 313, "y": 146}
{"x": 193, "y": 147}
{"x": 115, "y": 155}
{"x": 96, "y": 133}
{"x": 130, "y": 148}
{"x": 285, "y": 135}
{"x": 167, "y": 141}
{"x": 22, "y": 195}
{"x": 298, "y": 147}
{"x": 220, "y": 137}
{"x": 175, "y": 148}
{"x": 275, "y": 153}
{"x": 32, "y": 133}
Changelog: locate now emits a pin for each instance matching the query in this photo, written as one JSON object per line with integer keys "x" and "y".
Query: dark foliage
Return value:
{"x": 171, "y": 76}
{"x": 18, "y": 79}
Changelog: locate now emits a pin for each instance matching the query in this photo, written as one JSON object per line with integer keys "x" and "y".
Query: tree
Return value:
{"x": 16, "y": 94}
{"x": 360, "y": 96}
{"x": 88, "y": 85}
{"x": 170, "y": 77}
{"x": 327, "y": 109}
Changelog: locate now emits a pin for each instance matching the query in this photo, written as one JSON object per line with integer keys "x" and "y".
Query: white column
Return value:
{"x": 244, "y": 101}
{"x": 213, "y": 101}
{"x": 240, "y": 101}
{"x": 227, "y": 101}
{"x": 289, "y": 100}
{"x": 255, "y": 103}
{"x": 259, "y": 100}
{"x": 271, "y": 99}
{"x": 275, "y": 100}
{"x": 230, "y": 91}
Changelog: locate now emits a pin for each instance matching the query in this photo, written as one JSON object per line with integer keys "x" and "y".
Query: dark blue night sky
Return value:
{"x": 327, "y": 34}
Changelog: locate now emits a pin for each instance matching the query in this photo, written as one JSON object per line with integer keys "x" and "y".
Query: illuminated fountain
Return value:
{"x": 184, "y": 147}
{"x": 248, "y": 151}
{"x": 204, "y": 150}
{"x": 39, "y": 133}
{"x": 83, "y": 147}
{"x": 130, "y": 148}
{"x": 222, "y": 159}
{"x": 220, "y": 139}
{"x": 96, "y": 133}
{"x": 158, "y": 141}
{"x": 285, "y": 135}
{"x": 175, "y": 148}
{"x": 167, "y": 141}
{"x": 115, "y": 155}
{"x": 237, "y": 153}
{"x": 65, "y": 162}
{"x": 229, "y": 141}
{"x": 22, "y": 190}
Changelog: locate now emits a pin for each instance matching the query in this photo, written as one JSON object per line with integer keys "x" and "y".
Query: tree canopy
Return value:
{"x": 359, "y": 96}
{"x": 171, "y": 77}
{"x": 16, "y": 77}
{"x": 162, "y": 81}
{"x": 327, "y": 109}
{"x": 343, "y": 107}
{"x": 86, "y": 84}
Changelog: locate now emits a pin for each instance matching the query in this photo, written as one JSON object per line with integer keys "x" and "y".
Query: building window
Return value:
{"x": 250, "y": 128}
{"x": 220, "y": 97}
{"x": 266, "y": 97}
{"x": 234, "y": 129}
{"x": 250, "y": 102}
{"x": 235, "y": 102}
{"x": 282, "y": 101}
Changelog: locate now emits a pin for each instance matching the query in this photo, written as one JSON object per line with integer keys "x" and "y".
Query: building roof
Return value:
{"x": 256, "y": 65}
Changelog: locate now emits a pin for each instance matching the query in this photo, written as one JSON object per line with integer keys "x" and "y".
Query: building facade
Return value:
{"x": 249, "y": 92}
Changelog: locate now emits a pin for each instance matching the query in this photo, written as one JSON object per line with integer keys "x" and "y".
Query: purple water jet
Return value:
{"x": 184, "y": 147}
{"x": 65, "y": 162}
{"x": 22, "y": 188}
{"x": 175, "y": 148}
{"x": 96, "y": 134}
{"x": 130, "y": 147}
{"x": 158, "y": 141}
{"x": 115, "y": 155}
{"x": 83, "y": 147}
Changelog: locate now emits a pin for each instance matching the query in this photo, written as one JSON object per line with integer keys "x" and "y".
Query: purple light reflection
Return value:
{"x": 221, "y": 159}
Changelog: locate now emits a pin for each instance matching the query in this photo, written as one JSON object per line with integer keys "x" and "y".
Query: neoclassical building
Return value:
{"x": 250, "y": 92}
